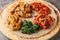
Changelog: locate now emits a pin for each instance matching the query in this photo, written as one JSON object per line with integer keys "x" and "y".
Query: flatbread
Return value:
{"x": 18, "y": 34}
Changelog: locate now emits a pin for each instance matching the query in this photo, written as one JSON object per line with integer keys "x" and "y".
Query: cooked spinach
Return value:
{"x": 28, "y": 27}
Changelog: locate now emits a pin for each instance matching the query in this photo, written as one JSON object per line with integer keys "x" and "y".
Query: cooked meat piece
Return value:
{"x": 14, "y": 21}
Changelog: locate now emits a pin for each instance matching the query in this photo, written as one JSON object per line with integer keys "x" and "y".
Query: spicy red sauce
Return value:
{"x": 39, "y": 7}
{"x": 43, "y": 21}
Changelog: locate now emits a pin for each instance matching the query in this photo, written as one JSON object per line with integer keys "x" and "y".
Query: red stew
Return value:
{"x": 40, "y": 8}
{"x": 43, "y": 21}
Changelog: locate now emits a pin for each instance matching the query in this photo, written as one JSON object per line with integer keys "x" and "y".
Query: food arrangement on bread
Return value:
{"x": 42, "y": 19}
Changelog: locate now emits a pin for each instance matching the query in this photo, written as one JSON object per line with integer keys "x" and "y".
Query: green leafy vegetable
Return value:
{"x": 28, "y": 27}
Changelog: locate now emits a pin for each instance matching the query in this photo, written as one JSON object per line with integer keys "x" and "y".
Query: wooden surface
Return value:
{"x": 54, "y": 2}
